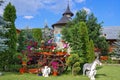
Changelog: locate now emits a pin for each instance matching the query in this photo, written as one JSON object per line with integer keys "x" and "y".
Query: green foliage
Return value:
{"x": 15, "y": 68}
{"x": 77, "y": 36}
{"x": 103, "y": 45}
{"x": 74, "y": 62}
{"x": 90, "y": 57}
{"x": 21, "y": 41}
{"x": 84, "y": 39}
{"x": 76, "y": 68}
{"x": 72, "y": 59}
{"x": 72, "y": 36}
{"x": 37, "y": 34}
{"x": 94, "y": 29}
{"x": 47, "y": 34}
{"x": 81, "y": 16}
{"x": 10, "y": 13}
{"x": 10, "y": 16}
{"x": 117, "y": 45}
{"x": 3, "y": 39}
{"x": 28, "y": 34}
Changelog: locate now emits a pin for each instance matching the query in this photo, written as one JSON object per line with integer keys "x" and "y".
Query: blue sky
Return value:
{"x": 35, "y": 13}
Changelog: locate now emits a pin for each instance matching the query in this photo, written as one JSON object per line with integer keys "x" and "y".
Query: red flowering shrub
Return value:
{"x": 104, "y": 58}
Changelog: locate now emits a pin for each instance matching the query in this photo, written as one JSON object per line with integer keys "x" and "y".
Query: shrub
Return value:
{"x": 76, "y": 68}
{"x": 74, "y": 61}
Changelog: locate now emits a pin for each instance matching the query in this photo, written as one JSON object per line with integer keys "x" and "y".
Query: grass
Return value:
{"x": 106, "y": 72}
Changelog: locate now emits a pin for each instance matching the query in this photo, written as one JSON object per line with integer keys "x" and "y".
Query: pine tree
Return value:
{"x": 90, "y": 57}
{"x": 10, "y": 16}
{"x": 3, "y": 30}
{"x": 84, "y": 38}
{"x": 3, "y": 39}
{"x": 94, "y": 29}
{"x": 72, "y": 36}
{"x": 117, "y": 47}
{"x": 21, "y": 41}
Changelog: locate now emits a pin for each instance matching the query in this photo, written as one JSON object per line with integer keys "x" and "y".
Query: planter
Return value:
{"x": 55, "y": 73}
{"x": 22, "y": 70}
{"x": 61, "y": 53}
{"x": 33, "y": 71}
{"x": 24, "y": 63}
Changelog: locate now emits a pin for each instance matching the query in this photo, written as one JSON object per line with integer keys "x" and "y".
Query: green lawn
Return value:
{"x": 106, "y": 72}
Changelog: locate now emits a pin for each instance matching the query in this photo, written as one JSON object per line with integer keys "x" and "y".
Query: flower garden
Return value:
{"x": 33, "y": 54}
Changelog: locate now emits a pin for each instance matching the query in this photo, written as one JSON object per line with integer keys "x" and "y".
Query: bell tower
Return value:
{"x": 66, "y": 17}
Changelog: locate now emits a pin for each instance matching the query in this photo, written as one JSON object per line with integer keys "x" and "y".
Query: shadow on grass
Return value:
{"x": 100, "y": 75}
{"x": 99, "y": 67}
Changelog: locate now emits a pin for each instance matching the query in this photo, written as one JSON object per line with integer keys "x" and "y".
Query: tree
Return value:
{"x": 71, "y": 35}
{"x": 10, "y": 16}
{"x": 3, "y": 39}
{"x": 74, "y": 62}
{"x": 84, "y": 39}
{"x": 117, "y": 47}
{"x": 78, "y": 38}
{"x": 94, "y": 29}
{"x": 47, "y": 34}
{"x": 90, "y": 57}
{"x": 21, "y": 41}
{"x": 37, "y": 34}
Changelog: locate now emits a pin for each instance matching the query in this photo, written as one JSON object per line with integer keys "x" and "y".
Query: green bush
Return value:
{"x": 76, "y": 68}
{"x": 15, "y": 68}
{"x": 74, "y": 62}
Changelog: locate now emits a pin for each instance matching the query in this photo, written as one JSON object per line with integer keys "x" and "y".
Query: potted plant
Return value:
{"x": 25, "y": 58}
{"x": 55, "y": 68}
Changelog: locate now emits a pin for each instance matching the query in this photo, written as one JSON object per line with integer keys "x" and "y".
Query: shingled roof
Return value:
{"x": 62, "y": 21}
{"x": 64, "y": 18}
{"x": 111, "y": 32}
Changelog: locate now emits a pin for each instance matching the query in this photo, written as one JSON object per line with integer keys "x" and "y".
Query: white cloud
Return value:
{"x": 32, "y": 7}
{"x": 87, "y": 10}
{"x": 80, "y": 1}
{"x": 28, "y": 17}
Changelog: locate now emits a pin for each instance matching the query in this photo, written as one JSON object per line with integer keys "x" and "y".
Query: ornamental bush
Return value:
{"x": 74, "y": 62}
{"x": 76, "y": 68}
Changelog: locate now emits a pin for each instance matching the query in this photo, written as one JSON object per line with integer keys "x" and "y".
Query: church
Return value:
{"x": 110, "y": 33}
{"x": 66, "y": 17}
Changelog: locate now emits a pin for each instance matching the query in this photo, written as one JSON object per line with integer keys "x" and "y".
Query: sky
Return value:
{"x": 36, "y": 13}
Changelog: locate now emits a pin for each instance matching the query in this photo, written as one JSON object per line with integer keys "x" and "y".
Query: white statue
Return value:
{"x": 90, "y": 69}
{"x": 91, "y": 74}
{"x": 46, "y": 71}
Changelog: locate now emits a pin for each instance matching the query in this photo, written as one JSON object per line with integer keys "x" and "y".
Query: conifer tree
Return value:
{"x": 21, "y": 41}
{"x": 10, "y": 16}
{"x": 90, "y": 57}
{"x": 94, "y": 29}
{"x": 3, "y": 39}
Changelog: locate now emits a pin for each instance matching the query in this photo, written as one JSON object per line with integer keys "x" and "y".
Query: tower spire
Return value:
{"x": 68, "y": 13}
{"x": 45, "y": 24}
